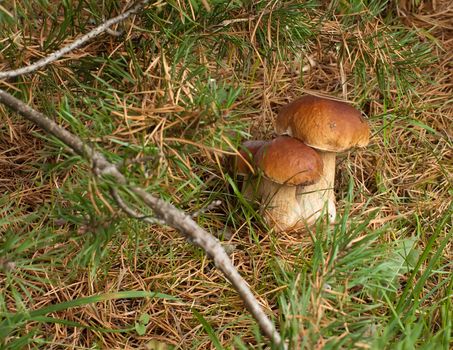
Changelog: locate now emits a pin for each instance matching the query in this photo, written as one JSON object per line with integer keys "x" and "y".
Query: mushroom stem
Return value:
{"x": 280, "y": 208}
{"x": 319, "y": 197}
{"x": 248, "y": 190}
{"x": 328, "y": 159}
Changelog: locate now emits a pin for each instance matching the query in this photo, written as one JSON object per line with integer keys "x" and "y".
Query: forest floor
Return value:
{"x": 176, "y": 93}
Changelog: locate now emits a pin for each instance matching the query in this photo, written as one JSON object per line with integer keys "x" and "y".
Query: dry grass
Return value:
{"x": 405, "y": 174}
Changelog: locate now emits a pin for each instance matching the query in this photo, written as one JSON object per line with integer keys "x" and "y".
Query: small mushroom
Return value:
{"x": 286, "y": 163}
{"x": 330, "y": 127}
{"x": 243, "y": 166}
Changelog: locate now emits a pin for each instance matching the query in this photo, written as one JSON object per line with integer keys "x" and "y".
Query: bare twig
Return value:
{"x": 114, "y": 32}
{"x": 143, "y": 159}
{"x": 74, "y": 45}
{"x": 211, "y": 206}
{"x": 131, "y": 212}
{"x": 164, "y": 211}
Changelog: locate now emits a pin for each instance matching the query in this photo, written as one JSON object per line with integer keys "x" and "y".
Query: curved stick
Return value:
{"x": 74, "y": 45}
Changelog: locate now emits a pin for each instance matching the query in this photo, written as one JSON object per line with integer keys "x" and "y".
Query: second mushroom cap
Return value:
{"x": 288, "y": 161}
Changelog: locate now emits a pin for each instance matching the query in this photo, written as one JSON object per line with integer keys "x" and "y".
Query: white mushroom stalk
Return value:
{"x": 319, "y": 198}
{"x": 280, "y": 207}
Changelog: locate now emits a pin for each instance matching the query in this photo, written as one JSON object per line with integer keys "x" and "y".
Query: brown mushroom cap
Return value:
{"x": 247, "y": 151}
{"x": 323, "y": 124}
{"x": 288, "y": 161}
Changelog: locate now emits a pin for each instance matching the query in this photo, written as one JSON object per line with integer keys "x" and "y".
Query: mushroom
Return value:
{"x": 330, "y": 127}
{"x": 285, "y": 163}
{"x": 242, "y": 165}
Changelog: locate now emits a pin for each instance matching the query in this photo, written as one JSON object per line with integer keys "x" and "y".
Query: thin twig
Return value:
{"x": 114, "y": 32}
{"x": 143, "y": 159}
{"x": 164, "y": 211}
{"x": 131, "y": 212}
{"x": 74, "y": 45}
{"x": 211, "y": 206}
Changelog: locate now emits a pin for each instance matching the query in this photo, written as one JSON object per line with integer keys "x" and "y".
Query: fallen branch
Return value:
{"x": 163, "y": 210}
{"x": 76, "y": 44}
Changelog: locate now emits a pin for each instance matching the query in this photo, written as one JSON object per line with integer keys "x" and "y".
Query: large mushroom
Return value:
{"x": 285, "y": 163}
{"x": 330, "y": 127}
